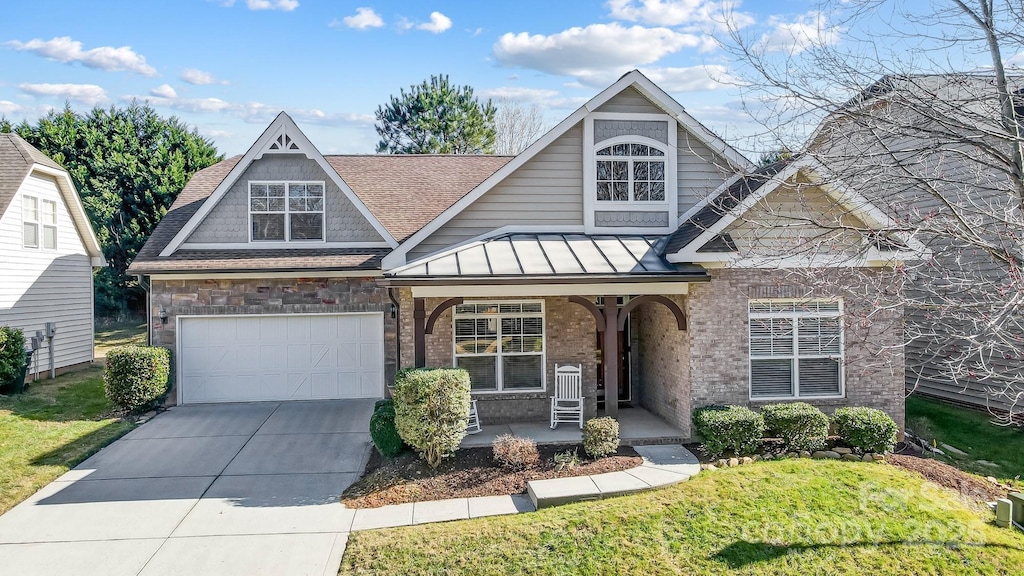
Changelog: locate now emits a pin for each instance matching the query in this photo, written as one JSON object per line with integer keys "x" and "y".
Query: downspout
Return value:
{"x": 146, "y": 286}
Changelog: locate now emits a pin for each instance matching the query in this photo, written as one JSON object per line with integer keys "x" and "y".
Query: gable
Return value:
{"x": 228, "y": 221}
{"x": 629, "y": 101}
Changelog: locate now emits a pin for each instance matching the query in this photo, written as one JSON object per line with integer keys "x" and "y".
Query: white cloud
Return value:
{"x": 438, "y": 23}
{"x": 185, "y": 104}
{"x": 810, "y": 30}
{"x": 214, "y": 133}
{"x": 680, "y": 12}
{"x": 690, "y": 79}
{"x": 195, "y": 76}
{"x": 65, "y": 49}
{"x": 8, "y": 107}
{"x": 164, "y": 91}
{"x": 520, "y": 93}
{"x": 593, "y": 54}
{"x": 404, "y": 24}
{"x": 88, "y": 94}
{"x": 255, "y": 112}
{"x": 284, "y": 5}
{"x": 363, "y": 19}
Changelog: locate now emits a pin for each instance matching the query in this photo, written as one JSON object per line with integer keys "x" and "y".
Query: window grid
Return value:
{"x": 286, "y": 211}
{"x": 630, "y": 172}
{"x": 505, "y": 331}
{"x": 49, "y": 222}
{"x": 30, "y": 221}
{"x": 792, "y": 331}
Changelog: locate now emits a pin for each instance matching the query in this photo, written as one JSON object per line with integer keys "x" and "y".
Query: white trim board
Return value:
{"x": 267, "y": 275}
{"x": 78, "y": 215}
{"x": 278, "y": 245}
{"x": 282, "y": 124}
{"x": 658, "y": 97}
{"x": 533, "y": 290}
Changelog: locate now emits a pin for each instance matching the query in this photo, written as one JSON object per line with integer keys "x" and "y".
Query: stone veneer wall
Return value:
{"x": 271, "y": 296}
{"x": 664, "y": 357}
{"x": 718, "y": 333}
{"x": 570, "y": 338}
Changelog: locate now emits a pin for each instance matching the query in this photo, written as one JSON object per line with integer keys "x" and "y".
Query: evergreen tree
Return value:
{"x": 436, "y": 117}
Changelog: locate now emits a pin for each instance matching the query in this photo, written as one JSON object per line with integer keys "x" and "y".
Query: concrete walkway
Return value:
{"x": 215, "y": 489}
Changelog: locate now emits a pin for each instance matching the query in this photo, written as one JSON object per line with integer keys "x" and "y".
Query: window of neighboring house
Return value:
{"x": 501, "y": 344}
{"x": 796, "y": 349}
{"x": 286, "y": 211}
{"x": 630, "y": 172}
{"x": 39, "y": 223}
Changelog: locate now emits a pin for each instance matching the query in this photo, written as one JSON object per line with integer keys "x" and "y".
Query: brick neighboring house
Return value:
{"x": 284, "y": 274}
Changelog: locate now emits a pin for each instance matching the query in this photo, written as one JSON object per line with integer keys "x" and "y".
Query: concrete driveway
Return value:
{"x": 211, "y": 489}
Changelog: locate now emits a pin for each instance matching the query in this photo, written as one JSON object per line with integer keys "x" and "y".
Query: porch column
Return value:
{"x": 610, "y": 356}
{"x": 419, "y": 315}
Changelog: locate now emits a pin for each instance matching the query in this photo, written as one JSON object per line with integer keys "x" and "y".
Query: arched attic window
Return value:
{"x": 630, "y": 172}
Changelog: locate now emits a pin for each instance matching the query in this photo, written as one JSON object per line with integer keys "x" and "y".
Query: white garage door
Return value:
{"x": 288, "y": 357}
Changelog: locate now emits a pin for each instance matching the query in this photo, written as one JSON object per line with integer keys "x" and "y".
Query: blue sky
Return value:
{"x": 227, "y": 67}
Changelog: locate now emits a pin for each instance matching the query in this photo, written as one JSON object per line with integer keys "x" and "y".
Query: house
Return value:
{"x": 615, "y": 242}
{"x": 48, "y": 251}
{"x": 930, "y": 150}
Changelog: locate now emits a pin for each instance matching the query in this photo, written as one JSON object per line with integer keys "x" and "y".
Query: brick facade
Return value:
{"x": 570, "y": 338}
{"x": 270, "y": 296}
{"x": 662, "y": 381}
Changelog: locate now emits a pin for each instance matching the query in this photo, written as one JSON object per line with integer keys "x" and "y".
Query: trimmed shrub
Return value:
{"x": 12, "y": 355}
{"x": 431, "y": 410}
{"x": 600, "y": 437}
{"x": 800, "y": 425}
{"x": 135, "y": 376}
{"x": 383, "y": 431}
{"x": 868, "y": 429}
{"x": 729, "y": 428}
{"x": 515, "y": 452}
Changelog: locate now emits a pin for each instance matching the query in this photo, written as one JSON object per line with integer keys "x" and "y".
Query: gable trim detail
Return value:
{"x": 281, "y": 132}
{"x": 656, "y": 95}
{"x": 78, "y": 214}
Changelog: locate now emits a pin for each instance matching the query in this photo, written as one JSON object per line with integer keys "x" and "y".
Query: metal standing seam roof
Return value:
{"x": 546, "y": 255}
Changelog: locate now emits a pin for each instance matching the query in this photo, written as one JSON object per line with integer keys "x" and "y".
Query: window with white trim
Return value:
{"x": 39, "y": 223}
{"x": 501, "y": 344}
{"x": 286, "y": 211}
{"x": 796, "y": 349}
{"x": 630, "y": 172}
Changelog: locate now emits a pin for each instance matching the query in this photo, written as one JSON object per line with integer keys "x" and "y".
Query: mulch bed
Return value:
{"x": 968, "y": 485}
{"x": 471, "y": 472}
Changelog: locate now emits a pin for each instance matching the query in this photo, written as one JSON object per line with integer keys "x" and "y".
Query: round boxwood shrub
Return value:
{"x": 732, "y": 429}
{"x": 12, "y": 355}
{"x": 383, "y": 431}
{"x": 431, "y": 410}
{"x": 868, "y": 429}
{"x": 135, "y": 376}
{"x": 600, "y": 437}
{"x": 800, "y": 425}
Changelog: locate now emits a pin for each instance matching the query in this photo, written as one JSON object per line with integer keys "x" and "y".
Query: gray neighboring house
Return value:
{"x": 48, "y": 251}
{"x": 617, "y": 241}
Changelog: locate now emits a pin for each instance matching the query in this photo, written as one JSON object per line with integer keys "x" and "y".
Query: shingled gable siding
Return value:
{"x": 570, "y": 338}
{"x": 229, "y": 220}
{"x": 718, "y": 332}
{"x": 664, "y": 357}
{"x": 546, "y": 190}
{"x": 271, "y": 296}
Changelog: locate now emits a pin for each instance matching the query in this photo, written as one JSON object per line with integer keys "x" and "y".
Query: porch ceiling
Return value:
{"x": 570, "y": 258}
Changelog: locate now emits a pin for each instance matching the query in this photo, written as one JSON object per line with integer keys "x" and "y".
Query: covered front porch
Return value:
{"x": 637, "y": 427}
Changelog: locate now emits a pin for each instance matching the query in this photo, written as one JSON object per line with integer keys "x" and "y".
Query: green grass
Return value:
{"x": 972, "y": 432}
{"x": 113, "y": 334}
{"x": 50, "y": 428}
{"x": 796, "y": 517}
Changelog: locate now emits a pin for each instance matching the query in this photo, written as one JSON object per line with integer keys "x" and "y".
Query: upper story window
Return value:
{"x": 630, "y": 172}
{"x": 39, "y": 223}
{"x": 285, "y": 211}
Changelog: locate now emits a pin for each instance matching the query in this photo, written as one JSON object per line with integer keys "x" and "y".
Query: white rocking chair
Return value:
{"x": 567, "y": 403}
{"x": 473, "y": 424}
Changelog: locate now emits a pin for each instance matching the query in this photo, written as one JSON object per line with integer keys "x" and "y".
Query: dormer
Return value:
{"x": 630, "y": 169}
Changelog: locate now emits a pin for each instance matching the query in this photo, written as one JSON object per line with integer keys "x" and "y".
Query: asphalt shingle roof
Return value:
{"x": 16, "y": 160}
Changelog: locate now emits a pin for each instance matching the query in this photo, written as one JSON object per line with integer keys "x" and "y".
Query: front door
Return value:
{"x": 625, "y": 389}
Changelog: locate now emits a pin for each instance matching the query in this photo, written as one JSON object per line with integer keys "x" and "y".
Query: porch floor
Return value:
{"x": 637, "y": 427}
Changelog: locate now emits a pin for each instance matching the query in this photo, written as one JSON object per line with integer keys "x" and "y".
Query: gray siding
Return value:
{"x": 634, "y": 219}
{"x": 229, "y": 221}
{"x": 631, "y": 101}
{"x": 699, "y": 170}
{"x": 546, "y": 190}
{"x": 653, "y": 129}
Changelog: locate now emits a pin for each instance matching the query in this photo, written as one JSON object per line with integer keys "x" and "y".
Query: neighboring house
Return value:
{"x": 284, "y": 274}
{"x": 47, "y": 254}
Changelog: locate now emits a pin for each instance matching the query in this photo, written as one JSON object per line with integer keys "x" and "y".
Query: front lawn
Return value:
{"x": 991, "y": 450}
{"x": 112, "y": 334}
{"x": 50, "y": 428}
{"x": 787, "y": 517}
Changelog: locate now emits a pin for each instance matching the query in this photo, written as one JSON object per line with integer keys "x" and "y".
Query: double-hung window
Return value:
{"x": 630, "y": 172}
{"x": 796, "y": 349}
{"x": 501, "y": 344}
{"x": 286, "y": 211}
{"x": 39, "y": 223}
